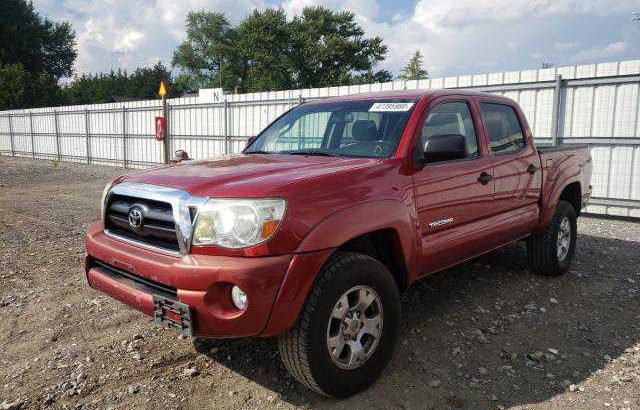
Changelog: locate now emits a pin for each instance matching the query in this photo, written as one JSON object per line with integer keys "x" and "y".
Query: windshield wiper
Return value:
{"x": 259, "y": 152}
{"x": 300, "y": 152}
{"x": 311, "y": 152}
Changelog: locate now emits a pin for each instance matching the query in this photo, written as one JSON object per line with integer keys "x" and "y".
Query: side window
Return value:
{"x": 505, "y": 133}
{"x": 451, "y": 118}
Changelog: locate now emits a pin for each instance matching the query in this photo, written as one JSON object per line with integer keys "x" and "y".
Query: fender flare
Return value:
{"x": 328, "y": 235}
{"x": 553, "y": 193}
{"x": 361, "y": 219}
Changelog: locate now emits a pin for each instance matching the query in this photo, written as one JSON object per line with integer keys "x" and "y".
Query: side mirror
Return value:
{"x": 250, "y": 140}
{"x": 445, "y": 147}
{"x": 179, "y": 156}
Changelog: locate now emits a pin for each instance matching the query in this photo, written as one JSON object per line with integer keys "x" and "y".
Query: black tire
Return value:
{"x": 542, "y": 249}
{"x": 303, "y": 348}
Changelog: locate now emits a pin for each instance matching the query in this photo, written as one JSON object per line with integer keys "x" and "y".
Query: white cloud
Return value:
{"x": 114, "y": 34}
{"x": 467, "y": 36}
{"x": 367, "y": 9}
{"x": 455, "y": 36}
{"x": 456, "y": 14}
{"x": 596, "y": 53}
{"x": 564, "y": 45}
{"x": 129, "y": 40}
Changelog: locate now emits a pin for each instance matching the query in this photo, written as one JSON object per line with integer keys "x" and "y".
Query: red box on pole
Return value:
{"x": 161, "y": 128}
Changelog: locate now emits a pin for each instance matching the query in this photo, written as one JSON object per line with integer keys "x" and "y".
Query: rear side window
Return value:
{"x": 451, "y": 118}
{"x": 503, "y": 127}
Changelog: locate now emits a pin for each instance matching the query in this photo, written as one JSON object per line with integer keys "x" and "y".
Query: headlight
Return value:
{"x": 105, "y": 191}
{"x": 237, "y": 223}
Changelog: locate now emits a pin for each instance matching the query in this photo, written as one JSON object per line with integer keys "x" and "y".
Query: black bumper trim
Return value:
{"x": 135, "y": 281}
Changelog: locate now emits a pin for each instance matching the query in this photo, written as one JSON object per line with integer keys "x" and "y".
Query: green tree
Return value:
{"x": 144, "y": 82}
{"x": 13, "y": 81}
{"x": 329, "y": 48}
{"x": 206, "y": 53}
{"x": 382, "y": 76}
{"x": 414, "y": 70}
{"x": 263, "y": 44}
{"x": 266, "y": 52}
{"x": 118, "y": 85}
{"x": 19, "y": 88}
{"x": 40, "y": 50}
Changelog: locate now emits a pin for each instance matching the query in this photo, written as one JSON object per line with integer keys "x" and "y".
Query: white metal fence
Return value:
{"x": 596, "y": 104}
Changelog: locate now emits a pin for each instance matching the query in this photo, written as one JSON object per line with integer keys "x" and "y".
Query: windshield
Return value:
{"x": 363, "y": 128}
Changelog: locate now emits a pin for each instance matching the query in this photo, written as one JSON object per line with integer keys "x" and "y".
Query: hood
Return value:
{"x": 249, "y": 176}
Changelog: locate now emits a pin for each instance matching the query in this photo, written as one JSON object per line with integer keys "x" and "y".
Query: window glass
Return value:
{"x": 304, "y": 133}
{"x": 451, "y": 118}
{"x": 360, "y": 128}
{"x": 505, "y": 133}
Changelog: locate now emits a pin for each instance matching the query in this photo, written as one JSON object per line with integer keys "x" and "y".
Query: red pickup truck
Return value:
{"x": 314, "y": 231}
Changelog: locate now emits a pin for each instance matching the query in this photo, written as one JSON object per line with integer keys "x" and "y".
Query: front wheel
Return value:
{"x": 347, "y": 330}
{"x": 550, "y": 253}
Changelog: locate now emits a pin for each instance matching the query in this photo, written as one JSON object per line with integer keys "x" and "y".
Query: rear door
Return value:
{"x": 516, "y": 167}
{"x": 453, "y": 201}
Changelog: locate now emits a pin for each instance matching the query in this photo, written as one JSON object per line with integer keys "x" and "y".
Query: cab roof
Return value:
{"x": 408, "y": 94}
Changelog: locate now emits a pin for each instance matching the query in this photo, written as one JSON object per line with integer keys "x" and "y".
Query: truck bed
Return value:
{"x": 562, "y": 147}
{"x": 566, "y": 162}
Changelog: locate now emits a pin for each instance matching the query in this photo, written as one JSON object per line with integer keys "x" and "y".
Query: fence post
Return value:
{"x": 55, "y": 124}
{"x": 226, "y": 125}
{"x": 166, "y": 143}
{"x": 33, "y": 146}
{"x": 13, "y": 149}
{"x": 300, "y": 101}
{"x": 124, "y": 136}
{"x": 557, "y": 119}
{"x": 168, "y": 147}
{"x": 87, "y": 135}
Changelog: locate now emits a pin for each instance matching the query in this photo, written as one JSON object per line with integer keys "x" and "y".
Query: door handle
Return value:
{"x": 532, "y": 169}
{"x": 485, "y": 178}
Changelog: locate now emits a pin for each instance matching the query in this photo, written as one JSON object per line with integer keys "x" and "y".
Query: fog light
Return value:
{"x": 239, "y": 298}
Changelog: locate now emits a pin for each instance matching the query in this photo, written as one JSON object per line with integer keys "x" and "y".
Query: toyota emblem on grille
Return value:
{"x": 135, "y": 218}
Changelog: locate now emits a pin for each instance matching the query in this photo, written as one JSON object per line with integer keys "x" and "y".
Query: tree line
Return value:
{"x": 34, "y": 54}
{"x": 264, "y": 51}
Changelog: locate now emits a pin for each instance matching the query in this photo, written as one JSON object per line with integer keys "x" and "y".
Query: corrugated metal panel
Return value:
{"x": 599, "y": 105}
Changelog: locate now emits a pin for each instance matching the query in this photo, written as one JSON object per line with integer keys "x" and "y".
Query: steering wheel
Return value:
{"x": 378, "y": 146}
{"x": 381, "y": 146}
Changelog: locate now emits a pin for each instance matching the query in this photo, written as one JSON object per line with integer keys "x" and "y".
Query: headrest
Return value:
{"x": 438, "y": 120}
{"x": 364, "y": 130}
{"x": 440, "y": 124}
{"x": 495, "y": 126}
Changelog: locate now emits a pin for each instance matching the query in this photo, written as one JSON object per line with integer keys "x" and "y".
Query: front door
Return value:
{"x": 454, "y": 198}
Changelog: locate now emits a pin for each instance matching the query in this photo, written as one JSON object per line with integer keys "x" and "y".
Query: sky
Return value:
{"x": 455, "y": 36}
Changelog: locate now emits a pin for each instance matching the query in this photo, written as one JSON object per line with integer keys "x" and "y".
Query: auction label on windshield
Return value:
{"x": 390, "y": 107}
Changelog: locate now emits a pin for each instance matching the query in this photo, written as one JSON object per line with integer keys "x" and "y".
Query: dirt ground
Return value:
{"x": 484, "y": 335}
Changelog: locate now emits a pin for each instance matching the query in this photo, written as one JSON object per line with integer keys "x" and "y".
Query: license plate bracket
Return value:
{"x": 173, "y": 314}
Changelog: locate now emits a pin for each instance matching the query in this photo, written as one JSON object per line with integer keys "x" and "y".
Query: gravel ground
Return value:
{"x": 483, "y": 335}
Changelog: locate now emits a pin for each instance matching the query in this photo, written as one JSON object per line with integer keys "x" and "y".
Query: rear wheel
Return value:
{"x": 347, "y": 330}
{"x": 550, "y": 253}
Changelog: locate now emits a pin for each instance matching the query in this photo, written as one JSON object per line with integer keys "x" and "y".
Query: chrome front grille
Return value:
{"x": 165, "y": 216}
{"x": 157, "y": 227}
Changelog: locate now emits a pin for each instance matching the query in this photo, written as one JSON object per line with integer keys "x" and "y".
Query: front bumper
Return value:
{"x": 202, "y": 282}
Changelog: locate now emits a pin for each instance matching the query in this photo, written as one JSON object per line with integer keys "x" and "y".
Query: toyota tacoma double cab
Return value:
{"x": 312, "y": 232}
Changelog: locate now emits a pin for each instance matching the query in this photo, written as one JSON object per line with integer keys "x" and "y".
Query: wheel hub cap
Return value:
{"x": 352, "y": 325}
{"x": 355, "y": 327}
{"x": 564, "y": 239}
